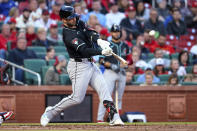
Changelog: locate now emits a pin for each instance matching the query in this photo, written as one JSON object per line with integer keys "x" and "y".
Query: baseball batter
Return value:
{"x": 115, "y": 72}
{"x": 82, "y": 43}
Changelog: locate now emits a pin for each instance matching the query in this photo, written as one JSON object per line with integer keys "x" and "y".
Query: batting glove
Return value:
{"x": 107, "y": 51}
{"x": 103, "y": 44}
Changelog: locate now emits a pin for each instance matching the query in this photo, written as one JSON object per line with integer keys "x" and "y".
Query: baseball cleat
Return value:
{"x": 6, "y": 115}
{"x": 117, "y": 122}
{"x": 44, "y": 120}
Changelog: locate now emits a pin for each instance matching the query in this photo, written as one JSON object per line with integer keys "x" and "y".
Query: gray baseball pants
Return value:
{"x": 111, "y": 77}
{"x": 82, "y": 74}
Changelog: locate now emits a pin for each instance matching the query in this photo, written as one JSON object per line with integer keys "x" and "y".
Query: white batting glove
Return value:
{"x": 103, "y": 44}
{"x": 107, "y": 51}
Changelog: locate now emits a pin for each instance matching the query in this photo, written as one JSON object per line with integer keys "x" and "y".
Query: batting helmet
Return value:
{"x": 67, "y": 12}
{"x": 115, "y": 28}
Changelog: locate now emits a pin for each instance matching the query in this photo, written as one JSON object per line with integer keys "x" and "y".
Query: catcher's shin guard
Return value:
{"x": 110, "y": 108}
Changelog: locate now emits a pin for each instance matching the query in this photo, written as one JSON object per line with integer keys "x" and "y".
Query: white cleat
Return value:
{"x": 117, "y": 122}
{"x": 44, "y": 120}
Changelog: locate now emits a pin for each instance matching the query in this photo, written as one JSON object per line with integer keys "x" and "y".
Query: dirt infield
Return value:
{"x": 105, "y": 127}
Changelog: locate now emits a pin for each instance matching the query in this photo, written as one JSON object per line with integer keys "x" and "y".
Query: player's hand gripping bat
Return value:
{"x": 120, "y": 59}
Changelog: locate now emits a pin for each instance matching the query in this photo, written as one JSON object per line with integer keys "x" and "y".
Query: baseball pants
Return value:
{"x": 82, "y": 74}
{"x": 111, "y": 77}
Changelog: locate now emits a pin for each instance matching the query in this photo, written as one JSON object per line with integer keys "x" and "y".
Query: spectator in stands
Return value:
{"x": 104, "y": 34}
{"x": 176, "y": 27}
{"x": 83, "y": 10}
{"x": 129, "y": 74}
{"x": 55, "y": 11}
{"x": 123, "y": 5}
{"x": 159, "y": 54}
{"x": 19, "y": 54}
{"x": 12, "y": 23}
{"x": 153, "y": 23}
{"x": 23, "y": 20}
{"x": 14, "y": 13}
{"x": 149, "y": 80}
{"x": 114, "y": 16}
{"x": 124, "y": 38}
{"x": 191, "y": 20}
{"x": 180, "y": 4}
{"x": 140, "y": 43}
{"x": 69, "y": 2}
{"x": 176, "y": 68}
{"x": 5, "y": 6}
{"x": 136, "y": 60}
{"x": 188, "y": 78}
{"x": 173, "y": 80}
{"x": 52, "y": 75}
{"x": 142, "y": 13}
{"x": 41, "y": 39}
{"x": 149, "y": 41}
{"x": 93, "y": 21}
{"x": 184, "y": 58}
{"x": 41, "y": 7}
{"x": 50, "y": 54}
{"x": 30, "y": 35}
{"x": 131, "y": 24}
{"x": 162, "y": 10}
{"x": 169, "y": 18}
{"x": 6, "y": 36}
{"x": 44, "y": 21}
{"x": 193, "y": 51}
{"x": 159, "y": 68}
{"x": 20, "y": 33}
{"x": 96, "y": 6}
{"x": 33, "y": 6}
{"x": 148, "y": 69}
{"x": 167, "y": 49}
{"x": 54, "y": 37}
{"x": 194, "y": 69}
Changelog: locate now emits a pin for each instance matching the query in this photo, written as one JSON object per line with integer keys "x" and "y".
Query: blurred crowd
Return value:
{"x": 161, "y": 35}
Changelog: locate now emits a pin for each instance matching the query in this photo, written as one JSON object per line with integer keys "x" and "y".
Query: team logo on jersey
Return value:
{"x": 75, "y": 41}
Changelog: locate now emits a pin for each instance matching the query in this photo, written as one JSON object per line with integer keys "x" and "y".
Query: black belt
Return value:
{"x": 82, "y": 59}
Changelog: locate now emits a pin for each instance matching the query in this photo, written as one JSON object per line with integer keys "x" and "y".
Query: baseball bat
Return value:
{"x": 120, "y": 59}
{"x": 116, "y": 95}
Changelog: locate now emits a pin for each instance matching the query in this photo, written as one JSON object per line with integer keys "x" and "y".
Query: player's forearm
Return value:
{"x": 89, "y": 52}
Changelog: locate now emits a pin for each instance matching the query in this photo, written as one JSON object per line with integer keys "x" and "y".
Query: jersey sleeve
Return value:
{"x": 81, "y": 47}
{"x": 89, "y": 32}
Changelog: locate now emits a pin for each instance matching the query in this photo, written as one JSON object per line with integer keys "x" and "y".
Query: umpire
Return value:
{"x": 82, "y": 43}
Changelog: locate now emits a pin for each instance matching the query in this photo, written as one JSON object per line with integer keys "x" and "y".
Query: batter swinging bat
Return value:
{"x": 120, "y": 59}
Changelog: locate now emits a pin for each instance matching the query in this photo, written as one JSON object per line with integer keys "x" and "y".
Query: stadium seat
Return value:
{"x": 164, "y": 78}
{"x": 64, "y": 79}
{"x": 150, "y": 55}
{"x": 9, "y": 44}
{"x": 37, "y": 49}
{"x": 175, "y": 56}
{"x": 65, "y": 54}
{"x": 189, "y": 69}
{"x": 44, "y": 70}
{"x": 189, "y": 83}
{"x": 192, "y": 31}
{"x": 34, "y": 65}
{"x": 51, "y": 62}
{"x": 167, "y": 56}
{"x": 59, "y": 24}
{"x": 60, "y": 49}
{"x": 41, "y": 55}
{"x": 60, "y": 43}
{"x": 135, "y": 78}
{"x": 60, "y": 30}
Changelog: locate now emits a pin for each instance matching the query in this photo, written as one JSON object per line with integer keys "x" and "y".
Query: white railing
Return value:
{"x": 22, "y": 68}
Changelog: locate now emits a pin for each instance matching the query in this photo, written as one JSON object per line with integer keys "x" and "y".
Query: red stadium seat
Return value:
{"x": 186, "y": 45}
{"x": 188, "y": 38}
{"x": 192, "y": 31}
